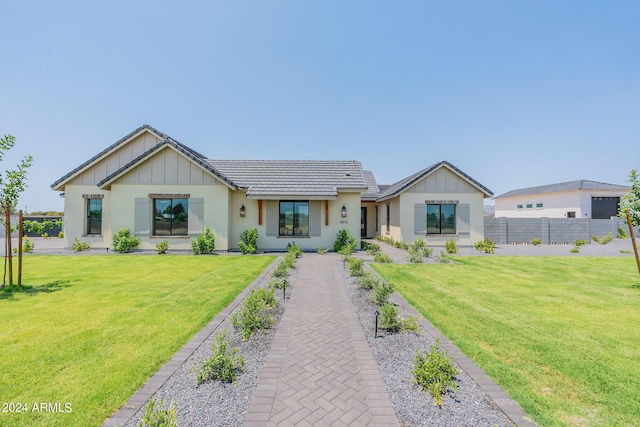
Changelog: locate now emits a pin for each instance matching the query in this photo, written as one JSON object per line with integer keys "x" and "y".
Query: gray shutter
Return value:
{"x": 315, "y": 223}
{"x": 196, "y": 215}
{"x": 141, "y": 217}
{"x": 273, "y": 220}
{"x": 420, "y": 219}
{"x": 464, "y": 220}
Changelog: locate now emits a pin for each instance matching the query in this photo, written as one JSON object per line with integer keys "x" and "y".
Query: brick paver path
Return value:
{"x": 320, "y": 370}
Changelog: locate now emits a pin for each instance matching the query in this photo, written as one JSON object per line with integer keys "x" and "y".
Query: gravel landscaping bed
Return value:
{"x": 468, "y": 406}
{"x": 214, "y": 403}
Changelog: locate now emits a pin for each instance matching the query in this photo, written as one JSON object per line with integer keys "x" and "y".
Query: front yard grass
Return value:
{"x": 559, "y": 334}
{"x": 90, "y": 330}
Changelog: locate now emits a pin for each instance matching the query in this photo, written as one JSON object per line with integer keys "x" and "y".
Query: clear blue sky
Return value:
{"x": 514, "y": 93}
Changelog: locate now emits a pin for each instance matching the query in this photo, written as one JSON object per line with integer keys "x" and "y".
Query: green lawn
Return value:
{"x": 92, "y": 329}
{"x": 560, "y": 334}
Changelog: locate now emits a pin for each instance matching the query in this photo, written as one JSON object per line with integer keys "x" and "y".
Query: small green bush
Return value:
{"x": 124, "y": 241}
{"x": 344, "y": 238}
{"x": 224, "y": 364}
{"x": 536, "y": 241}
{"x": 621, "y": 233}
{"x": 356, "y": 267}
{"x": 415, "y": 257}
{"x": 294, "y": 249}
{"x": 255, "y": 312}
{"x": 577, "y": 243}
{"x": 389, "y": 319}
{"x": 487, "y": 245}
{"x": 249, "y": 241}
{"x": 411, "y": 323}
{"x": 158, "y": 416}
{"x": 79, "y": 246}
{"x": 322, "y": 250}
{"x": 450, "y": 246}
{"x": 371, "y": 248}
{"x": 368, "y": 280}
{"x": 162, "y": 247}
{"x": 435, "y": 372}
{"x": 606, "y": 239}
{"x": 281, "y": 270}
{"x": 205, "y": 243}
{"x": 27, "y": 246}
{"x": 382, "y": 258}
{"x": 61, "y": 235}
{"x": 279, "y": 283}
{"x": 442, "y": 259}
{"x": 382, "y": 290}
{"x": 401, "y": 245}
{"x": 575, "y": 249}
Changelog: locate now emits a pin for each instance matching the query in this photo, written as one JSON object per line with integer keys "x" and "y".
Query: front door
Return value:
{"x": 363, "y": 222}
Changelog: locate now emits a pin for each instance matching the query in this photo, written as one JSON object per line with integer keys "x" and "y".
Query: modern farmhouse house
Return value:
{"x": 161, "y": 189}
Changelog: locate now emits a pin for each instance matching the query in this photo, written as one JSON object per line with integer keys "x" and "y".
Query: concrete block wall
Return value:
{"x": 551, "y": 230}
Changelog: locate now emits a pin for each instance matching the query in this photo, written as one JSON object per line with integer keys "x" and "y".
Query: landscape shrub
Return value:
{"x": 622, "y": 234}
{"x": 420, "y": 245}
{"x": 294, "y": 249}
{"x": 205, "y": 243}
{"x": 604, "y": 240}
{"x": 450, "y": 246}
{"x": 162, "y": 247}
{"x": 281, "y": 270}
{"x": 61, "y": 235}
{"x": 382, "y": 290}
{"x": 415, "y": 257}
{"x": 344, "y": 238}
{"x": 577, "y": 243}
{"x": 575, "y": 249}
{"x": 442, "y": 258}
{"x": 382, "y": 258}
{"x": 158, "y": 416}
{"x": 79, "y": 246}
{"x": 371, "y": 248}
{"x": 536, "y": 241}
{"x": 224, "y": 364}
{"x": 322, "y": 250}
{"x": 411, "y": 323}
{"x": 279, "y": 283}
{"x": 389, "y": 319}
{"x": 124, "y": 241}
{"x": 249, "y": 241}
{"x": 27, "y": 246}
{"x": 401, "y": 245}
{"x": 356, "y": 267}
{"x": 255, "y": 312}
{"x": 367, "y": 280}
{"x": 435, "y": 372}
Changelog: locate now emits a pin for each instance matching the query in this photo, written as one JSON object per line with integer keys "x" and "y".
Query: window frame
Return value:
{"x": 441, "y": 219}
{"x": 184, "y": 219}
{"x": 297, "y": 228}
{"x": 89, "y": 199}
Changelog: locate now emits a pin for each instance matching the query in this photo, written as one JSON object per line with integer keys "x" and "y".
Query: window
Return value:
{"x": 94, "y": 216}
{"x": 520, "y": 206}
{"x": 294, "y": 218}
{"x": 539, "y": 205}
{"x": 571, "y": 214}
{"x": 170, "y": 217}
{"x": 529, "y": 205}
{"x": 388, "y": 217}
{"x": 441, "y": 219}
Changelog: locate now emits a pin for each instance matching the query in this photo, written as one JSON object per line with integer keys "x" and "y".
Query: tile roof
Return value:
{"x": 293, "y": 177}
{"x": 581, "y": 184}
{"x": 372, "y": 187}
{"x": 400, "y": 186}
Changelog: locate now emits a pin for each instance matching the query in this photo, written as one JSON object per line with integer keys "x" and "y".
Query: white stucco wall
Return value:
{"x": 75, "y": 216}
{"x": 555, "y": 205}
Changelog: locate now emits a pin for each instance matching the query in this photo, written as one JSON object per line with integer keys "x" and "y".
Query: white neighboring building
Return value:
{"x": 574, "y": 199}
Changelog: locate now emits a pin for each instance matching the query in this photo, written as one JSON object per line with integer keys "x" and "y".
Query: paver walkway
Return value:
{"x": 320, "y": 370}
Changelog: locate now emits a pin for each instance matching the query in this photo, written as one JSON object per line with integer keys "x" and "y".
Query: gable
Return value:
{"x": 167, "y": 166}
{"x": 116, "y": 159}
{"x": 442, "y": 180}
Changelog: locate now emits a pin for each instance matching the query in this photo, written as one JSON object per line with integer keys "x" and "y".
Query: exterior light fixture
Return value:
{"x": 344, "y": 211}
{"x": 243, "y": 211}
{"x": 376, "y": 333}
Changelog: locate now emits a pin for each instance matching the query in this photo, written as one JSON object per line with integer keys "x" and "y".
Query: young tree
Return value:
{"x": 12, "y": 184}
{"x": 630, "y": 209}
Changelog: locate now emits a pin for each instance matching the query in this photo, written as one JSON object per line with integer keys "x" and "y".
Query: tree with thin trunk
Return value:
{"x": 630, "y": 209}
{"x": 12, "y": 185}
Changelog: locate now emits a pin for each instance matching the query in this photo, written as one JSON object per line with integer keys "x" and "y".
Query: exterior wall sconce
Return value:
{"x": 344, "y": 211}
{"x": 243, "y": 211}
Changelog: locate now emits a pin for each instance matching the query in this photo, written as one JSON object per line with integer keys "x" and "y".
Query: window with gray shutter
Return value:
{"x": 464, "y": 220}
{"x": 196, "y": 215}
{"x": 272, "y": 218}
{"x": 141, "y": 216}
{"x": 420, "y": 219}
{"x": 315, "y": 223}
